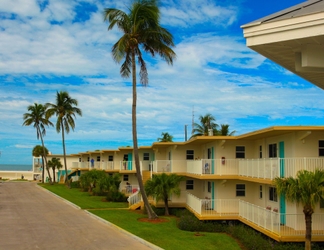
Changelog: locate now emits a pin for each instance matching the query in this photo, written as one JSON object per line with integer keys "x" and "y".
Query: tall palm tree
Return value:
{"x": 206, "y": 122}
{"x": 65, "y": 110}
{"x": 55, "y": 163}
{"x": 162, "y": 186}
{"x": 141, "y": 32}
{"x": 37, "y": 117}
{"x": 165, "y": 137}
{"x": 306, "y": 189}
{"x": 224, "y": 130}
{"x": 40, "y": 151}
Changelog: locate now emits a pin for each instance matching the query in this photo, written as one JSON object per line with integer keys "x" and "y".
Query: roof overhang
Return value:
{"x": 293, "y": 38}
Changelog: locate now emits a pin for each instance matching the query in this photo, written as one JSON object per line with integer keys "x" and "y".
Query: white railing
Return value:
{"x": 259, "y": 168}
{"x": 292, "y": 165}
{"x": 161, "y": 166}
{"x": 130, "y": 189}
{"x": 213, "y": 166}
{"x": 194, "y": 203}
{"x": 260, "y": 216}
{"x": 266, "y": 218}
{"x": 127, "y": 165}
{"x": 134, "y": 198}
{"x": 277, "y": 167}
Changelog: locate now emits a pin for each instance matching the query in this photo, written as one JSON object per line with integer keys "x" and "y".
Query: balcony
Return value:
{"x": 281, "y": 227}
{"x": 265, "y": 169}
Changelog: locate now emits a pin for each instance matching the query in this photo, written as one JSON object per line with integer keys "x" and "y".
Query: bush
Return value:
{"x": 188, "y": 222}
{"x": 116, "y": 196}
{"x": 75, "y": 184}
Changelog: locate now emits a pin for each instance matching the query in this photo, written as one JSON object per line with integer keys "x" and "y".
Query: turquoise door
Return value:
{"x": 282, "y": 156}
{"x": 282, "y": 174}
{"x": 130, "y": 161}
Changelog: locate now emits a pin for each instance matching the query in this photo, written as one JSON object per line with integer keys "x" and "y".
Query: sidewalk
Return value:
{"x": 32, "y": 218}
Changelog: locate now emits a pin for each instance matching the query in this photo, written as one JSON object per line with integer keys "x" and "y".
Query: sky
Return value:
{"x": 57, "y": 45}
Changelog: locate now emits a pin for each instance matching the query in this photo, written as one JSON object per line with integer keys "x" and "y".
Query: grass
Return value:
{"x": 165, "y": 235}
{"x": 82, "y": 199}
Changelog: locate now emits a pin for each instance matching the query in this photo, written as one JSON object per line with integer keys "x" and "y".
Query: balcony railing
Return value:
{"x": 268, "y": 219}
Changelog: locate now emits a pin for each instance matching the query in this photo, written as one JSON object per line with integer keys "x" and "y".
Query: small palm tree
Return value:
{"x": 40, "y": 151}
{"x": 55, "y": 163}
{"x": 306, "y": 189}
{"x": 206, "y": 123}
{"x": 165, "y": 137}
{"x": 65, "y": 110}
{"x": 37, "y": 117}
{"x": 162, "y": 186}
{"x": 224, "y": 130}
{"x": 141, "y": 31}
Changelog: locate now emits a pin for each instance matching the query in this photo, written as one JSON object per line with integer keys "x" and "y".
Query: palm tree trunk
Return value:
{"x": 308, "y": 221}
{"x": 54, "y": 174}
{"x": 166, "y": 204}
{"x": 151, "y": 214}
{"x": 64, "y": 153}
{"x": 44, "y": 156}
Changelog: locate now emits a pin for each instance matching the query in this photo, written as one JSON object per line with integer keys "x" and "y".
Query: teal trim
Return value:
{"x": 282, "y": 174}
{"x": 130, "y": 162}
{"x": 213, "y": 160}
{"x": 282, "y": 156}
{"x": 282, "y": 209}
{"x": 212, "y": 193}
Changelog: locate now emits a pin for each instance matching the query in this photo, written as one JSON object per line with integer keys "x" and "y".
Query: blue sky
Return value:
{"x": 48, "y": 46}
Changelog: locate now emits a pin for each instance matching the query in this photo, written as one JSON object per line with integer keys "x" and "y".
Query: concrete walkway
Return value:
{"x": 32, "y": 218}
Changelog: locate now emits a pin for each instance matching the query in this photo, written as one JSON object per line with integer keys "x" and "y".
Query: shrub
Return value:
{"x": 75, "y": 184}
{"x": 116, "y": 196}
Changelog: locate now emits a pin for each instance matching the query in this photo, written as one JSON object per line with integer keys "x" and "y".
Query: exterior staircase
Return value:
{"x": 135, "y": 200}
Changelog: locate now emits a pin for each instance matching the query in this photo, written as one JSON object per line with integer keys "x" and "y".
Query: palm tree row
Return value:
{"x": 207, "y": 126}
{"x": 65, "y": 109}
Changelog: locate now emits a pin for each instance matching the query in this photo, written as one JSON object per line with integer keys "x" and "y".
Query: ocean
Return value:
{"x": 16, "y": 167}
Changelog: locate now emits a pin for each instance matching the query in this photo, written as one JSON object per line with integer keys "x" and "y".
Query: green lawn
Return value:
{"x": 165, "y": 235}
{"x": 82, "y": 199}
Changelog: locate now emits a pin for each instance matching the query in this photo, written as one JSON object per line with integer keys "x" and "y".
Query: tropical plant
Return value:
{"x": 306, "y": 189}
{"x": 65, "y": 110}
{"x": 55, "y": 163}
{"x": 40, "y": 151}
{"x": 165, "y": 137}
{"x": 206, "y": 123}
{"x": 162, "y": 186}
{"x": 141, "y": 32}
{"x": 37, "y": 117}
{"x": 224, "y": 130}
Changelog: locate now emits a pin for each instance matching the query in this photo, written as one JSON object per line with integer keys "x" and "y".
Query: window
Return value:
{"x": 190, "y": 155}
{"x": 321, "y": 148}
{"x": 273, "y": 194}
{"x": 260, "y": 196}
{"x": 189, "y": 184}
{"x": 240, "y": 152}
{"x": 110, "y": 158}
{"x": 240, "y": 189}
{"x": 273, "y": 150}
{"x": 98, "y": 158}
{"x": 79, "y": 159}
{"x": 260, "y": 152}
{"x": 88, "y": 159}
{"x": 125, "y": 177}
{"x": 146, "y": 156}
{"x": 209, "y": 187}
